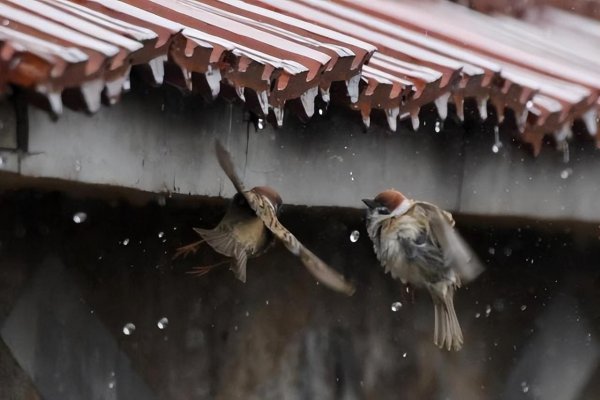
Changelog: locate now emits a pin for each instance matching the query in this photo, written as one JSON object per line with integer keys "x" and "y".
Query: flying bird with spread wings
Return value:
{"x": 249, "y": 228}
{"x": 416, "y": 242}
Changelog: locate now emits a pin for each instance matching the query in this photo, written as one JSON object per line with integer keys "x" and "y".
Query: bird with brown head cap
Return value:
{"x": 416, "y": 243}
{"x": 250, "y": 226}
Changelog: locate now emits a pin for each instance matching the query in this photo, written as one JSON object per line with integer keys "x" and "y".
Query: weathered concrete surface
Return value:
{"x": 141, "y": 143}
{"x": 59, "y": 342}
{"x": 281, "y": 336}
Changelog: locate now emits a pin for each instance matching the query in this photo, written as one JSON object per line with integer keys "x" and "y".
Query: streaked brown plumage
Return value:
{"x": 415, "y": 242}
{"x": 250, "y": 226}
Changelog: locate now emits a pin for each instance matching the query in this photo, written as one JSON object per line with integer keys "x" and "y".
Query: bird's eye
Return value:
{"x": 383, "y": 211}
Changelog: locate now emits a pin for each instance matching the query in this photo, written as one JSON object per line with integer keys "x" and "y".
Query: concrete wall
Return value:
{"x": 141, "y": 143}
{"x": 67, "y": 290}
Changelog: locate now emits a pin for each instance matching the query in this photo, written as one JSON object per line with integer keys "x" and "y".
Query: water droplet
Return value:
{"x": 2, "y": 161}
{"x": 497, "y": 143}
{"x": 162, "y": 201}
{"x": 404, "y": 355}
{"x": 125, "y": 242}
{"x": 260, "y": 123}
{"x": 492, "y": 250}
{"x": 162, "y": 323}
{"x": 438, "y": 126}
{"x": 354, "y": 236}
{"x": 507, "y": 251}
{"x": 566, "y": 173}
{"x": 396, "y": 306}
{"x": 111, "y": 385}
{"x": 524, "y": 387}
{"x": 161, "y": 234}
{"x": 235, "y": 328}
{"x": 77, "y": 165}
{"x": 477, "y": 315}
{"x": 267, "y": 302}
{"x": 320, "y": 111}
{"x": 128, "y": 328}
{"x": 523, "y": 307}
{"x": 488, "y": 310}
{"x": 79, "y": 217}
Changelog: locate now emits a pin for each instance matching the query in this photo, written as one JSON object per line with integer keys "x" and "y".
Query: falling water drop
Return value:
{"x": 161, "y": 234}
{"x": 438, "y": 126}
{"x": 162, "y": 323}
{"x": 396, "y": 306}
{"x": 564, "y": 146}
{"x": 79, "y": 217}
{"x": 497, "y": 143}
{"x": 320, "y": 111}
{"x": 125, "y": 241}
{"x": 566, "y": 173}
{"x": 354, "y": 236}
{"x": 488, "y": 310}
{"x": 523, "y": 307}
{"x": 524, "y": 387}
{"x": 77, "y": 166}
{"x": 128, "y": 328}
{"x": 260, "y": 123}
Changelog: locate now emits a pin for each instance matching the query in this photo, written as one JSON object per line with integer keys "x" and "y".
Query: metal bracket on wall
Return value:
{"x": 13, "y": 131}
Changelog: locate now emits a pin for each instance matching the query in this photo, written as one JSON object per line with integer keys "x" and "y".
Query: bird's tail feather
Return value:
{"x": 447, "y": 333}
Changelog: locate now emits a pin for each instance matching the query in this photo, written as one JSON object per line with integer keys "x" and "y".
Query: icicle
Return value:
{"x": 308, "y": 100}
{"x": 263, "y": 99}
{"x": 497, "y": 143}
{"x": 590, "y": 118}
{"x": 91, "y": 91}
{"x": 499, "y": 112}
{"x": 213, "y": 78}
{"x": 114, "y": 88}
{"x": 278, "y": 111}
{"x": 482, "y": 107}
{"x": 459, "y": 102}
{"x": 352, "y": 85}
{"x": 157, "y": 65}
{"x": 441, "y": 103}
{"x": 522, "y": 120}
{"x": 564, "y": 133}
{"x": 325, "y": 95}
{"x": 414, "y": 118}
{"x": 54, "y": 99}
{"x": 366, "y": 120}
{"x": 127, "y": 83}
{"x": 187, "y": 77}
{"x": 240, "y": 92}
{"x": 392, "y": 117}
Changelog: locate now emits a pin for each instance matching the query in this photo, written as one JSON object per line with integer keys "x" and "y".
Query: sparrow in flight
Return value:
{"x": 416, "y": 242}
{"x": 249, "y": 228}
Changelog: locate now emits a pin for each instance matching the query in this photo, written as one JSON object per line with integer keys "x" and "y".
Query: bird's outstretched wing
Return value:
{"x": 320, "y": 270}
{"x": 226, "y": 164}
{"x": 457, "y": 252}
{"x": 266, "y": 212}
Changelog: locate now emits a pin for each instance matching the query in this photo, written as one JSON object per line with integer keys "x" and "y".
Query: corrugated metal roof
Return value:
{"x": 544, "y": 67}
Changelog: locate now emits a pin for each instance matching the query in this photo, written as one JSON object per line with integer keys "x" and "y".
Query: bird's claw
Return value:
{"x": 200, "y": 271}
{"x": 186, "y": 250}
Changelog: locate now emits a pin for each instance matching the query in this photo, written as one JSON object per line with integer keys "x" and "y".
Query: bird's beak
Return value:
{"x": 370, "y": 203}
